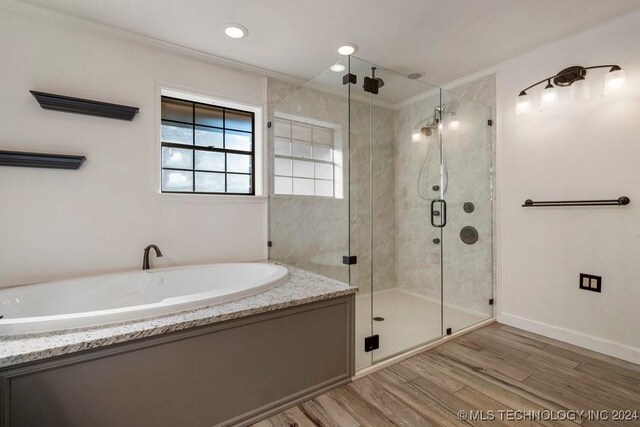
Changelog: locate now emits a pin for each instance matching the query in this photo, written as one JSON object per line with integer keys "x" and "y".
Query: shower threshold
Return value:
{"x": 411, "y": 324}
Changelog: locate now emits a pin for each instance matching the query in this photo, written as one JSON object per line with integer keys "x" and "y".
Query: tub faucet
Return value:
{"x": 145, "y": 260}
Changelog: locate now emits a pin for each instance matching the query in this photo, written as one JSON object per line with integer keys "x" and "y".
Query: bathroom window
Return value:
{"x": 208, "y": 149}
{"x": 306, "y": 161}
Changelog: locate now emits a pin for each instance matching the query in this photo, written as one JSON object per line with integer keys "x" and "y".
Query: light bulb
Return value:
{"x": 337, "y": 68}
{"x": 454, "y": 124}
{"x": 523, "y": 104}
{"x": 549, "y": 95}
{"x": 580, "y": 89}
{"x": 614, "y": 81}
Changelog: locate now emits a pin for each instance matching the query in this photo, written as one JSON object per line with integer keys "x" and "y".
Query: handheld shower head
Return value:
{"x": 427, "y": 130}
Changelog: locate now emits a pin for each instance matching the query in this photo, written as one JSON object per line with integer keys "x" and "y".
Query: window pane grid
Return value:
{"x": 304, "y": 160}
{"x": 210, "y": 171}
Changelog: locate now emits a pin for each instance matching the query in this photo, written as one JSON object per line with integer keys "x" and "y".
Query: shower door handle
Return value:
{"x": 443, "y": 221}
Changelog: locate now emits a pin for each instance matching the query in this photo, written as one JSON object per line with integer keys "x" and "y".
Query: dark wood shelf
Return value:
{"x": 40, "y": 160}
{"x": 50, "y": 101}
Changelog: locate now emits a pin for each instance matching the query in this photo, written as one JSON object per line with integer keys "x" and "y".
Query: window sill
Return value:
{"x": 209, "y": 198}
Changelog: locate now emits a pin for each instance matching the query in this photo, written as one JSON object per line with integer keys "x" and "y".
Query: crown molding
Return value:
{"x": 493, "y": 69}
{"x": 94, "y": 27}
{"x": 577, "y": 36}
{"x": 83, "y": 24}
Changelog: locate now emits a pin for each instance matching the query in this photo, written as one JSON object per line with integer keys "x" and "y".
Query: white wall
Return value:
{"x": 588, "y": 150}
{"x": 56, "y": 224}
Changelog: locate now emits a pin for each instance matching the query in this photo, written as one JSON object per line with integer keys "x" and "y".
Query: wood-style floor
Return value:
{"x": 496, "y": 368}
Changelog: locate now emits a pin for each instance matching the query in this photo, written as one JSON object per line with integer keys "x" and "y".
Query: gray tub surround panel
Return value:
{"x": 231, "y": 373}
{"x": 302, "y": 287}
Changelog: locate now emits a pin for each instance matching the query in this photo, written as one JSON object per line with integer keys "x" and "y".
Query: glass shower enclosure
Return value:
{"x": 384, "y": 182}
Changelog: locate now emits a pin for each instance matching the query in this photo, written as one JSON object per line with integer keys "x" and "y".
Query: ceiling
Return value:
{"x": 444, "y": 39}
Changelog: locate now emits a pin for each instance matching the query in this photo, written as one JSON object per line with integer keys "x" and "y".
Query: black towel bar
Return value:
{"x": 620, "y": 201}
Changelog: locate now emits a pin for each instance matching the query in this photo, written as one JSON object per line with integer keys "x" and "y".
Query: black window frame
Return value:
{"x": 193, "y": 147}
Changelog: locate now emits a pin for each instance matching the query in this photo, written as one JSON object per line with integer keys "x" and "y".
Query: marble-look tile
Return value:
{"x": 301, "y": 287}
{"x": 314, "y": 233}
{"x": 387, "y": 224}
{"x": 467, "y": 270}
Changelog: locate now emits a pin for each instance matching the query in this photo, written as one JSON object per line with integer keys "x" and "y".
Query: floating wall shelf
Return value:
{"x": 40, "y": 160}
{"x": 49, "y": 101}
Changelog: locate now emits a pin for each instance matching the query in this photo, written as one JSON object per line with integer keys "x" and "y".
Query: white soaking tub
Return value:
{"x": 121, "y": 297}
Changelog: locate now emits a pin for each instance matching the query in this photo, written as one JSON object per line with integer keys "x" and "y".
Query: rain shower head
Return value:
{"x": 378, "y": 79}
{"x": 372, "y": 84}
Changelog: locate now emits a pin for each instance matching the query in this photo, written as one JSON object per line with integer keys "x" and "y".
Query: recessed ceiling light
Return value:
{"x": 337, "y": 68}
{"x": 235, "y": 31}
{"x": 348, "y": 49}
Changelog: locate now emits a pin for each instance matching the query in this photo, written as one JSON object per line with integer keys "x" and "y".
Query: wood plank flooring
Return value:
{"x": 497, "y": 368}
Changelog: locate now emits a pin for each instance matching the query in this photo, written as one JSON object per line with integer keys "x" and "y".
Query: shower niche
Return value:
{"x": 412, "y": 169}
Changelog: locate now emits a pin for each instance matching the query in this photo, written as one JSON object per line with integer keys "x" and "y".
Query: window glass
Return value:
{"x": 206, "y": 148}
{"x": 304, "y": 159}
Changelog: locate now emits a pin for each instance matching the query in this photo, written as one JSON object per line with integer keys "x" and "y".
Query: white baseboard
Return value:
{"x": 579, "y": 339}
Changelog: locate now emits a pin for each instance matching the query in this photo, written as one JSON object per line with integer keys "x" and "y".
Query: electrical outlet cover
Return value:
{"x": 590, "y": 282}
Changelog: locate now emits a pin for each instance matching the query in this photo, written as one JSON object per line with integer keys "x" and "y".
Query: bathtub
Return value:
{"x": 121, "y": 297}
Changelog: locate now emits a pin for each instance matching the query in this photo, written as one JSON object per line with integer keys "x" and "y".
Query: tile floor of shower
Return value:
{"x": 409, "y": 321}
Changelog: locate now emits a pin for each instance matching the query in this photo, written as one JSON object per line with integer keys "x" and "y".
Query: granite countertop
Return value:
{"x": 301, "y": 287}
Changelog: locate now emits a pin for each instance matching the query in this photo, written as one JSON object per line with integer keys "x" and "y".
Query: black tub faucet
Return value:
{"x": 145, "y": 260}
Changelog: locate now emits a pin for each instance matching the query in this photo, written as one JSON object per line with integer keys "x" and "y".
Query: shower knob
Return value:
{"x": 469, "y": 235}
{"x": 469, "y": 207}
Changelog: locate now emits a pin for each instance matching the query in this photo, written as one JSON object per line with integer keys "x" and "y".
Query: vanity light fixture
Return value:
{"x": 235, "y": 31}
{"x": 549, "y": 95}
{"x": 575, "y": 77}
{"x": 580, "y": 89}
{"x": 348, "y": 49}
{"x": 614, "y": 81}
{"x": 523, "y": 104}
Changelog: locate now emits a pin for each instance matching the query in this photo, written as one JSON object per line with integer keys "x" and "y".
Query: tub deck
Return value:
{"x": 302, "y": 287}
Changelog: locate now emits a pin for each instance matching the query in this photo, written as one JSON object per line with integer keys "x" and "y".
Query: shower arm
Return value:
{"x": 436, "y": 120}
{"x": 564, "y": 73}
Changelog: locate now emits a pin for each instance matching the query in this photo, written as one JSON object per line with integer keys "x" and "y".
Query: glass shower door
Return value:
{"x": 384, "y": 182}
{"x": 467, "y": 237}
{"x": 398, "y": 267}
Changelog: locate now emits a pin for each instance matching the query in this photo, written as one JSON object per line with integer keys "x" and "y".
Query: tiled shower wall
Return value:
{"x": 467, "y": 270}
{"x": 483, "y": 90}
{"x": 313, "y": 232}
